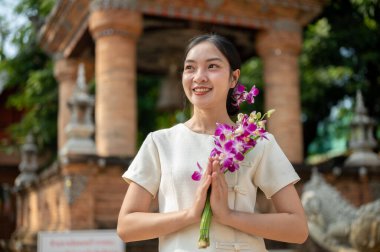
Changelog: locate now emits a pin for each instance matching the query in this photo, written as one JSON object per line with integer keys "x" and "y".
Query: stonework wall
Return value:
{"x": 355, "y": 190}
{"x": 108, "y": 192}
{"x": 62, "y": 202}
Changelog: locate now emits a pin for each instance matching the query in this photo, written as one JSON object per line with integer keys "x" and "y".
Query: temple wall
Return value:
{"x": 62, "y": 202}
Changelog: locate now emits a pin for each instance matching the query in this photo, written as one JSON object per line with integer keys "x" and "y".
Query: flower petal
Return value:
{"x": 196, "y": 176}
{"x": 199, "y": 167}
{"x": 239, "y": 156}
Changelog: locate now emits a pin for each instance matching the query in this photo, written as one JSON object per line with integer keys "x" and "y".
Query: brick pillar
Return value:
{"x": 279, "y": 48}
{"x": 115, "y": 32}
{"x": 65, "y": 72}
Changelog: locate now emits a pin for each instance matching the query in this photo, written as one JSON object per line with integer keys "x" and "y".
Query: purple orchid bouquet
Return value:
{"x": 232, "y": 143}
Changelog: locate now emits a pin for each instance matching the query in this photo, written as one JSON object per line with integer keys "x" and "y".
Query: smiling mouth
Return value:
{"x": 201, "y": 90}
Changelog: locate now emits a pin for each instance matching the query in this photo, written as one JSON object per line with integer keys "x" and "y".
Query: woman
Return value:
{"x": 166, "y": 160}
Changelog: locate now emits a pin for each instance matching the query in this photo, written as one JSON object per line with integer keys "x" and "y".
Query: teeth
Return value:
{"x": 201, "y": 89}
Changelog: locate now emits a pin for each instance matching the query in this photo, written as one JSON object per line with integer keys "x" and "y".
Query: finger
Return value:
{"x": 211, "y": 163}
{"x": 215, "y": 166}
{"x": 215, "y": 187}
{"x": 206, "y": 173}
{"x": 205, "y": 185}
{"x": 221, "y": 179}
{"x": 223, "y": 182}
{"x": 209, "y": 166}
{"x": 207, "y": 182}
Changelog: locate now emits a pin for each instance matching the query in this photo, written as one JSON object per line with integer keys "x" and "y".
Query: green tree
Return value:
{"x": 30, "y": 77}
{"x": 340, "y": 56}
{"x": 4, "y": 33}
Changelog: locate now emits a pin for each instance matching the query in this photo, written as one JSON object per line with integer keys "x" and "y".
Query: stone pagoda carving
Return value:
{"x": 28, "y": 165}
{"x": 362, "y": 141}
{"x": 335, "y": 224}
{"x": 80, "y": 129}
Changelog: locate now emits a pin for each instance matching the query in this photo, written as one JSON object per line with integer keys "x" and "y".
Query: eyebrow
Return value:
{"x": 208, "y": 60}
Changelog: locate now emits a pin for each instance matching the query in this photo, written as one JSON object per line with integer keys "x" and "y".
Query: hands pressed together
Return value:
{"x": 214, "y": 179}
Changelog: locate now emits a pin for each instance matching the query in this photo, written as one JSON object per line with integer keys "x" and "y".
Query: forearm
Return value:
{"x": 143, "y": 225}
{"x": 136, "y": 221}
{"x": 284, "y": 227}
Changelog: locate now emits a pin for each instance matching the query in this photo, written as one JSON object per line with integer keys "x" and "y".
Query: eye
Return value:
{"x": 188, "y": 67}
{"x": 213, "y": 66}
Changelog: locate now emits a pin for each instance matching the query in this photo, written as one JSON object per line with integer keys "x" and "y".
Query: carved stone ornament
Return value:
{"x": 362, "y": 140}
{"x": 28, "y": 165}
{"x": 81, "y": 126}
{"x": 74, "y": 186}
{"x": 336, "y": 225}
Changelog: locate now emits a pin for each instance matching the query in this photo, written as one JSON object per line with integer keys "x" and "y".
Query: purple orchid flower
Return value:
{"x": 252, "y": 94}
{"x": 231, "y": 145}
{"x": 240, "y": 95}
{"x": 223, "y": 131}
{"x": 197, "y": 175}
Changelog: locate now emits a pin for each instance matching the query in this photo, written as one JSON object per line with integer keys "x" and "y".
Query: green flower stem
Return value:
{"x": 204, "y": 238}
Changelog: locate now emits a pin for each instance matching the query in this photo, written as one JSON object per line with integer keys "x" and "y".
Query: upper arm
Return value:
{"x": 137, "y": 199}
{"x": 287, "y": 200}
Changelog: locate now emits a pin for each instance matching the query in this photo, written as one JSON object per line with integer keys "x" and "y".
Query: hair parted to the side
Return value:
{"x": 232, "y": 56}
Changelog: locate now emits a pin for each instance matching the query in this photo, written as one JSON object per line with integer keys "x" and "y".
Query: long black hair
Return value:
{"x": 230, "y": 52}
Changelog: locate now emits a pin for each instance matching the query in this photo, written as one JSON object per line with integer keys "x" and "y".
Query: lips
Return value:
{"x": 201, "y": 90}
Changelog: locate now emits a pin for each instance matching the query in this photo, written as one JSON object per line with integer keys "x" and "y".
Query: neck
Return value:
{"x": 204, "y": 121}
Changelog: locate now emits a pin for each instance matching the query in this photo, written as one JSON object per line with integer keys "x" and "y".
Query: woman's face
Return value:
{"x": 207, "y": 77}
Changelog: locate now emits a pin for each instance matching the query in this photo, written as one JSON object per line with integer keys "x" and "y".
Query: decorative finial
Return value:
{"x": 362, "y": 141}
{"x": 81, "y": 79}
{"x": 360, "y": 108}
{"x": 28, "y": 165}
{"x": 81, "y": 126}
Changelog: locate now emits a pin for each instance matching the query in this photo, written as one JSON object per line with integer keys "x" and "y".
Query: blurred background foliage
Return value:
{"x": 340, "y": 56}
{"x": 29, "y": 76}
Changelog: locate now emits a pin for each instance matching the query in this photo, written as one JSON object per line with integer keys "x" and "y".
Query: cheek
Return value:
{"x": 186, "y": 84}
{"x": 186, "y": 80}
{"x": 224, "y": 80}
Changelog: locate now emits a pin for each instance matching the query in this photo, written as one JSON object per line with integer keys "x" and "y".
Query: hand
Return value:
{"x": 195, "y": 212}
{"x": 219, "y": 192}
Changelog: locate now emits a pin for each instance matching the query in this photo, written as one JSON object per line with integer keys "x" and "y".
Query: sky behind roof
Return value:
{"x": 14, "y": 22}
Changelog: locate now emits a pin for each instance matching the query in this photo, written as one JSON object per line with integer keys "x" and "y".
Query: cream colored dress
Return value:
{"x": 165, "y": 163}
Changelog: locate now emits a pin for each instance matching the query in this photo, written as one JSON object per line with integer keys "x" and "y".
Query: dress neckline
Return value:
{"x": 194, "y": 132}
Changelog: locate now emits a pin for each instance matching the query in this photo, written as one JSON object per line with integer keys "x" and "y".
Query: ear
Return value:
{"x": 235, "y": 77}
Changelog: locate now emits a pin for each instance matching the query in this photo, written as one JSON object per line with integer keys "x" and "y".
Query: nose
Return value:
{"x": 200, "y": 76}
